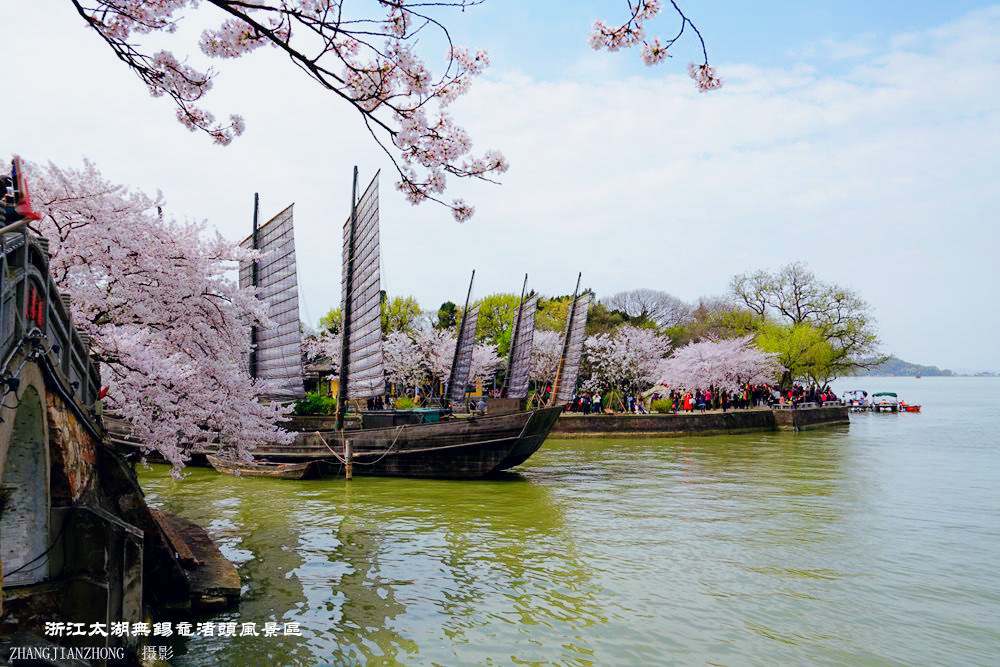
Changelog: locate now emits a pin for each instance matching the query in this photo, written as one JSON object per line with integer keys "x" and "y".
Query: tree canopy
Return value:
{"x": 829, "y": 330}
{"x": 376, "y": 62}
{"x": 169, "y": 327}
{"x": 400, "y": 313}
{"x": 649, "y": 305}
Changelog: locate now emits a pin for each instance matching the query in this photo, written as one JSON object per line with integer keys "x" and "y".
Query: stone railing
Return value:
{"x": 33, "y": 310}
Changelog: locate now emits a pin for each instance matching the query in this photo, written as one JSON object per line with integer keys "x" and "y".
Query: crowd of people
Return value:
{"x": 702, "y": 400}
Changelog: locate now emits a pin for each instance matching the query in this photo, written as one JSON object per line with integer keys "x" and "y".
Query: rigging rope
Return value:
{"x": 399, "y": 429}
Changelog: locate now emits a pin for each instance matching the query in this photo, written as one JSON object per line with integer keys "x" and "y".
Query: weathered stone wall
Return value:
{"x": 85, "y": 560}
{"x": 680, "y": 424}
{"x": 572, "y": 424}
{"x": 809, "y": 418}
{"x": 73, "y": 452}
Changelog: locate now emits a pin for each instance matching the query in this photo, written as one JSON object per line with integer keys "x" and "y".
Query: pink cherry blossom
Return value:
{"x": 377, "y": 70}
{"x": 371, "y": 62}
{"x": 627, "y": 359}
{"x": 633, "y": 33}
{"x": 546, "y": 350}
{"x": 705, "y": 77}
{"x": 725, "y": 364}
{"x": 169, "y": 327}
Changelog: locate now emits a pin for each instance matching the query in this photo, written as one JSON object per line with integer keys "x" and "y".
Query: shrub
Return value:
{"x": 663, "y": 406}
{"x": 405, "y": 403}
{"x": 614, "y": 399}
{"x": 315, "y": 404}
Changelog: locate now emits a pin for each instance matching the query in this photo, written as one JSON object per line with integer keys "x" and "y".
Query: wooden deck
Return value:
{"x": 213, "y": 581}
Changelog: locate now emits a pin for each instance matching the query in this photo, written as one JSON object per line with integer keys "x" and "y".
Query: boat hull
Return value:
{"x": 262, "y": 469}
{"x": 461, "y": 448}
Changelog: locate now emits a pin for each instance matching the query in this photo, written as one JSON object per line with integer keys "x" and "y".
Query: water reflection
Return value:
{"x": 360, "y": 564}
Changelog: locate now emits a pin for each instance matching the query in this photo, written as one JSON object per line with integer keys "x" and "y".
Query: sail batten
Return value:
{"x": 520, "y": 350}
{"x": 573, "y": 351}
{"x": 279, "y": 348}
{"x": 461, "y": 367}
{"x": 461, "y": 363}
{"x": 363, "y": 373}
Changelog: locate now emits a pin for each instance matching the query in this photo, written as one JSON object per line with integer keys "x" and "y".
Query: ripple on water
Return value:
{"x": 874, "y": 545}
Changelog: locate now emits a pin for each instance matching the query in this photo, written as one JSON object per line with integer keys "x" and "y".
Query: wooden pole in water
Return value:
{"x": 348, "y": 464}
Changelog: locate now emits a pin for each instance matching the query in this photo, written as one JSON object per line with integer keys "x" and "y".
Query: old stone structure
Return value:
{"x": 698, "y": 423}
{"x": 77, "y": 542}
{"x": 68, "y": 550}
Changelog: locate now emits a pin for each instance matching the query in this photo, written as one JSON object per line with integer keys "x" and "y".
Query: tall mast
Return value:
{"x": 566, "y": 341}
{"x": 254, "y": 281}
{"x": 513, "y": 337}
{"x": 345, "y": 328}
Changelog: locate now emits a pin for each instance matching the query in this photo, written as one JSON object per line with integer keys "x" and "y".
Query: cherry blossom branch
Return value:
{"x": 653, "y": 51}
{"x": 402, "y": 103}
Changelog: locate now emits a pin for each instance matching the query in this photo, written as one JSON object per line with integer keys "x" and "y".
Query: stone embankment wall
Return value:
{"x": 810, "y": 418}
{"x": 698, "y": 423}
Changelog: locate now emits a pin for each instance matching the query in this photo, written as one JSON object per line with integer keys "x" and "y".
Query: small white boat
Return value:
{"x": 856, "y": 400}
{"x": 885, "y": 401}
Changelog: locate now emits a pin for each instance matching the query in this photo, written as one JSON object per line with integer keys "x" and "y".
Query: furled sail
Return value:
{"x": 462, "y": 364}
{"x": 278, "y": 352}
{"x": 363, "y": 370}
{"x": 520, "y": 350}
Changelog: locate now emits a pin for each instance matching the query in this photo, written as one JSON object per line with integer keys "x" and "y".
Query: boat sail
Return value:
{"x": 564, "y": 386}
{"x": 461, "y": 365}
{"x": 409, "y": 445}
{"x": 361, "y": 373}
{"x": 277, "y": 351}
{"x": 519, "y": 364}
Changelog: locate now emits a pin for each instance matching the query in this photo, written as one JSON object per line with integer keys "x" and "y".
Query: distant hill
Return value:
{"x": 895, "y": 367}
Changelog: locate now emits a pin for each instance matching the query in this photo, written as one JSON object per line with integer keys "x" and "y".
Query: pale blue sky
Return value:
{"x": 860, "y": 137}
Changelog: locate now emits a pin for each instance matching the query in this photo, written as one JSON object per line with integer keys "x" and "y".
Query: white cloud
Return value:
{"x": 881, "y": 177}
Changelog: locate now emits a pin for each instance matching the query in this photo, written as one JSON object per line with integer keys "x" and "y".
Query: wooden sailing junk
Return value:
{"x": 456, "y": 448}
{"x": 397, "y": 443}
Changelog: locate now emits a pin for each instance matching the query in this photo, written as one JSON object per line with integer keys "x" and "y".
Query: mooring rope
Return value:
{"x": 399, "y": 429}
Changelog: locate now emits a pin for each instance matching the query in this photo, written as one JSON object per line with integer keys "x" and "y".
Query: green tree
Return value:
{"x": 496, "y": 315}
{"x": 400, "y": 313}
{"x": 551, "y": 314}
{"x": 332, "y": 321}
{"x": 601, "y": 320}
{"x": 447, "y": 315}
{"x": 794, "y": 297}
{"x": 801, "y": 348}
{"x": 713, "y": 318}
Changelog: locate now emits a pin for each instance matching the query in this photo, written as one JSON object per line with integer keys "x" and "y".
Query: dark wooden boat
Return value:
{"x": 390, "y": 443}
{"x": 458, "y": 448}
{"x": 262, "y": 468}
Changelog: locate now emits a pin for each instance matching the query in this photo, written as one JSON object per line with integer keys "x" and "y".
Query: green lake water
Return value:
{"x": 877, "y": 544}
